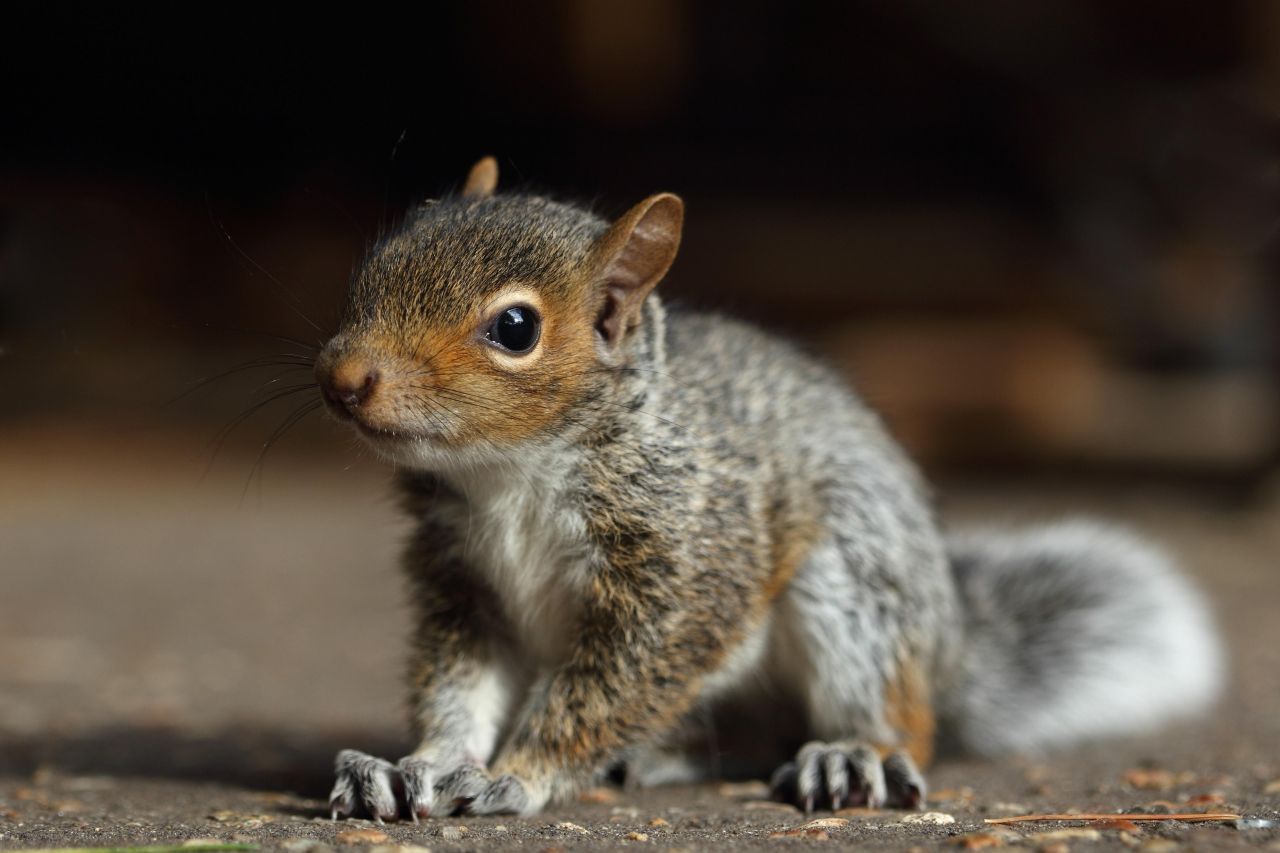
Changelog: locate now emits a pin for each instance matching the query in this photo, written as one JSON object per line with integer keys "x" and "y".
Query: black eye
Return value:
{"x": 515, "y": 329}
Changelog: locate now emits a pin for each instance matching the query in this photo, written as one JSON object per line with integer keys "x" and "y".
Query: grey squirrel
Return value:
{"x": 628, "y": 517}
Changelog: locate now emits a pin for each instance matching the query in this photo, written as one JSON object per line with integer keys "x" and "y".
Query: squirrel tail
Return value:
{"x": 1073, "y": 630}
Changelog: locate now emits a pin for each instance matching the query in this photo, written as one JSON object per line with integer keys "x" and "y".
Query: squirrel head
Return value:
{"x": 486, "y": 320}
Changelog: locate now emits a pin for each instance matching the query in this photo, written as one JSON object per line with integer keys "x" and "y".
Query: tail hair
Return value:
{"x": 1074, "y": 630}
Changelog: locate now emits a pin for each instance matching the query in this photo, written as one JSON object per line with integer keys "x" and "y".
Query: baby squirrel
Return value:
{"x": 630, "y": 517}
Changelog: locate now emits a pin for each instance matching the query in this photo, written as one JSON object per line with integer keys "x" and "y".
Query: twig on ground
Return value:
{"x": 1191, "y": 817}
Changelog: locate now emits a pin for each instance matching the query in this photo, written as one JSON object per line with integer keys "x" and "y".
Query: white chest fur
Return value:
{"x": 531, "y": 549}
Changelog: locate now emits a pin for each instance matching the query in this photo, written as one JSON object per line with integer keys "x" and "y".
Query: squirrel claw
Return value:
{"x": 848, "y": 773}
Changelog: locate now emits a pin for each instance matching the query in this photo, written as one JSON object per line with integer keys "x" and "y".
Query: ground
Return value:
{"x": 176, "y": 663}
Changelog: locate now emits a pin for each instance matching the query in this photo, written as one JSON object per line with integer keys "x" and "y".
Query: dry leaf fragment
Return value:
{"x": 1149, "y": 780}
{"x": 657, "y": 821}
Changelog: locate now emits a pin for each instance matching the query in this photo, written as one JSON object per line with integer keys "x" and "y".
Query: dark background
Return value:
{"x": 1038, "y": 234}
{"x": 1041, "y": 237}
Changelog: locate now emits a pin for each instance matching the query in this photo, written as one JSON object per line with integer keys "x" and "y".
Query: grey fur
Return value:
{"x": 1073, "y": 630}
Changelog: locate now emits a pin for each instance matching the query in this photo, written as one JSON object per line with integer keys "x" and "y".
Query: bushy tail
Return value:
{"x": 1074, "y": 630}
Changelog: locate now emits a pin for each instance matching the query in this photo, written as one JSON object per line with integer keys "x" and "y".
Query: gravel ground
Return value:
{"x": 176, "y": 665}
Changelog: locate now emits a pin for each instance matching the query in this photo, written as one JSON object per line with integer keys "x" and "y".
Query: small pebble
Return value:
{"x": 573, "y": 827}
{"x": 939, "y": 818}
{"x": 657, "y": 821}
{"x": 637, "y": 836}
{"x": 802, "y": 832}
{"x": 754, "y": 790}
{"x": 1160, "y": 845}
{"x": 977, "y": 841}
{"x": 361, "y": 836}
{"x": 861, "y": 812}
{"x": 1071, "y": 834}
{"x": 305, "y": 845}
{"x": 452, "y": 833}
{"x": 1254, "y": 823}
{"x": 826, "y": 823}
{"x": 769, "y": 805}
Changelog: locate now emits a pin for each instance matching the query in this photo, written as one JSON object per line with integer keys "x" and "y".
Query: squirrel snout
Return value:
{"x": 348, "y": 383}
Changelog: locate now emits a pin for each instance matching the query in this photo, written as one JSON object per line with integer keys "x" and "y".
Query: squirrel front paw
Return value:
{"x": 848, "y": 773}
{"x": 415, "y": 786}
{"x": 364, "y": 782}
{"x": 507, "y": 795}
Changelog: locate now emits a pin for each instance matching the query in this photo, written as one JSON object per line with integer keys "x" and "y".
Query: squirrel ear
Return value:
{"x": 634, "y": 255}
{"x": 482, "y": 180}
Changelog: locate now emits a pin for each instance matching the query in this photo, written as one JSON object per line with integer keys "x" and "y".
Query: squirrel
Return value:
{"x": 632, "y": 518}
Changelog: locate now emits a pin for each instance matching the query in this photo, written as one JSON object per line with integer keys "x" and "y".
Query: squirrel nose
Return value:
{"x": 349, "y": 383}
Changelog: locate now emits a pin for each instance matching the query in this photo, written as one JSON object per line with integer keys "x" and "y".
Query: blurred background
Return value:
{"x": 1041, "y": 237}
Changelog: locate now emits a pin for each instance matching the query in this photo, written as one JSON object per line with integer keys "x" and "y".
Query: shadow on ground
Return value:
{"x": 260, "y": 759}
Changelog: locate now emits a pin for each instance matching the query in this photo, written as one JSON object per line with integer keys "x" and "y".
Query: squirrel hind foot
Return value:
{"x": 848, "y": 773}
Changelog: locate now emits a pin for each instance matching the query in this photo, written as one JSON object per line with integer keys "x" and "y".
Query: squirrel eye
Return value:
{"x": 515, "y": 329}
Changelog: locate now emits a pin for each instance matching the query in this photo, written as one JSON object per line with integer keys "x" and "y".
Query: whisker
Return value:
{"x": 289, "y": 422}
{"x": 284, "y": 339}
{"x": 255, "y": 364}
{"x": 282, "y": 291}
{"x": 224, "y": 433}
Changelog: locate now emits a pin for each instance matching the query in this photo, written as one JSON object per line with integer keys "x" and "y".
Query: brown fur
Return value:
{"x": 908, "y": 709}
